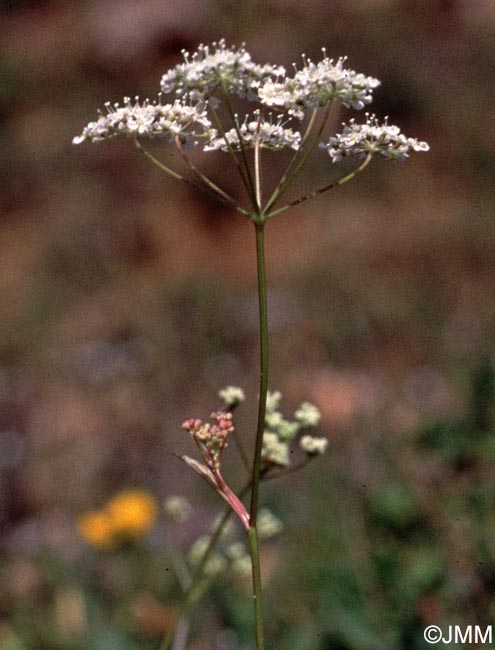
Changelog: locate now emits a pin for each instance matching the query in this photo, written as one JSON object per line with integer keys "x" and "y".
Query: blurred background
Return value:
{"x": 127, "y": 301}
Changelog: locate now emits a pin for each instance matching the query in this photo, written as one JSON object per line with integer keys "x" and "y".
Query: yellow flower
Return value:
{"x": 96, "y": 528}
{"x": 132, "y": 512}
{"x": 128, "y": 515}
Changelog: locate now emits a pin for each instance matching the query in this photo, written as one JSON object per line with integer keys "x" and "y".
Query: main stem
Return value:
{"x": 252, "y": 532}
{"x": 260, "y": 262}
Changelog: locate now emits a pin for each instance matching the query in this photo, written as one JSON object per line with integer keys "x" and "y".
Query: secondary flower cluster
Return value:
{"x": 255, "y": 129}
{"x": 204, "y": 71}
{"x": 280, "y": 433}
{"x": 231, "y": 396}
{"x": 317, "y": 84}
{"x": 372, "y": 137}
{"x": 149, "y": 119}
{"x": 211, "y": 438}
{"x": 214, "y": 73}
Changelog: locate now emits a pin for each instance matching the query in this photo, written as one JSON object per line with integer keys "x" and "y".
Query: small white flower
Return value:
{"x": 151, "y": 120}
{"x": 236, "y": 550}
{"x": 210, "y": 67}
{"x": 308, "y": 415}
{"x": 216, "y": 562}
{"x": 372, "y": 137}
{"x": 317, "y": 84}
{"x": 274, "y": 450}
{"x": 273, "y": 419}
{"x": 228, "y": 530}
{"x": 231, "y": 395}
{"x": 268, "y": 524}
{"x": 254, "y": 130}
{"x": 241, "y": 566}
{"x": 273, "y": 399}
{"x": 313, "y": 446}
{"x": 287, "y": 431}
{"x": 239, "y": 558}
{"x": 177, "y": 508}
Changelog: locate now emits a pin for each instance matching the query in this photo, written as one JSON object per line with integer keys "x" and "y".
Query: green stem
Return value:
{"x": 287, "y": 179}
{"x": 242, "y": 451}
{"x": 233, "y": 117}
{"x": 162, "y": 166}
{"x": 297, "y": 153}
{"x": 321, "y": 190}
{"x": 260, "y": 260}
{"x": 208, "y": 182}
{"x": 257, "y": 172}
{"x": 252, "y": 535}
{"x": 206, "y": 187}
{"x": 231, "y": 151}
{"x": 194, "y": 588}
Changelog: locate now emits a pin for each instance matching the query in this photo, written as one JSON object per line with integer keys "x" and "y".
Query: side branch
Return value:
{"x": 326, "y": 188}
{"x": 215, "y": 189}
{"x": 202, "y": 188}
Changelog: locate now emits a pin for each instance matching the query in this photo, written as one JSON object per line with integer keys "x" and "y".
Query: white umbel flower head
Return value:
{"x": 317, "y": 84}
{"x": 231, "y": 395}
{"x": 308, "y": 415}
{"x": 313, "y": 445}
{"x": 275, "y": 451}
{"x": 372, "y": 137}
{"x": 208, "y": 68}
{"x": 151, "y": 120}
{"x": 254, "y": 130}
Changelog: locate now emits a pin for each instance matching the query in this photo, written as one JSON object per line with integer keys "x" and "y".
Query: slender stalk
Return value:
{"x": 247, "y": 169}
{"x": 231, "y": 150}
{"x": 293, "y": 160}
{"x": 252, "y": 532}
{"x": 260, "y": 260}
{"x": 242, "y": 452}
{"x": 257, "y": 173}
{"x": 289, "y": 470}
{"x": 197, "y": 579}
{"x": 202, "y": 188}
{"x": 207, "y": 181}
{"x": 257, "y": 166}
{"x": 321, "y": 190}
{"x": 180, "y": 640}
{"x": 196, "y": 582}
{"x": 252, "y": 535}
{"x": 181, "y": 571}
{"x": 287, "y": 179}
{"x": 194, "y": 589}
{"x": 162, "y": 166}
